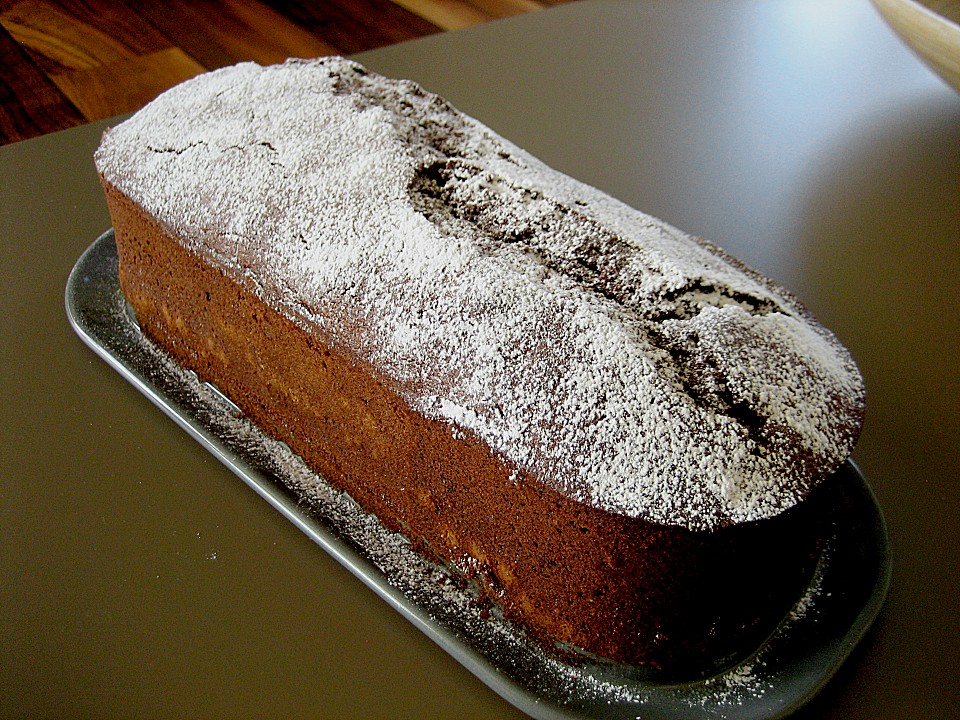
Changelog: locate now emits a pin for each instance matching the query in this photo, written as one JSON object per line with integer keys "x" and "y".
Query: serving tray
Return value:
{"x": 769, "y": 681}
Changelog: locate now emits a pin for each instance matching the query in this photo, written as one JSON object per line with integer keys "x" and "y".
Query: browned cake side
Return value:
{"x": 615, "y": 586}
{"x": 616, "y": 429}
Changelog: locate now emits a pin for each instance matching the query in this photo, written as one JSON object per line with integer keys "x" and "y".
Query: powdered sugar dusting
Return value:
{"x": 599, "y": 349}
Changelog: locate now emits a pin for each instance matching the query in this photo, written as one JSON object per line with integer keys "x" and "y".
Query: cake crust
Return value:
{"x": 609, "y": 425}
{"x": 626, "y": 364}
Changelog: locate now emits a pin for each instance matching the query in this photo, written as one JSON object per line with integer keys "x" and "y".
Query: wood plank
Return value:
{"x": 353, "y": 26}
{"x": 65, "y": 61}
{"x": 126, "y": 85}
{"x": 507, "y": 8}
{"x": 287, "y": 38}
{"x": 30, "y": 104}
{"x": 222, "y": 32}
{"x": 79, "y": 34}
{"x": 449, "y": 15}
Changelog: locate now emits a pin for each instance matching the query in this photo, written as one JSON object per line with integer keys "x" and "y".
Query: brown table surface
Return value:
{"x": 140, "y": 578}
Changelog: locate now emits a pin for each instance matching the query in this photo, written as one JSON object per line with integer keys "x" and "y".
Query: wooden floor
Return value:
{"x": 67, "y": 62}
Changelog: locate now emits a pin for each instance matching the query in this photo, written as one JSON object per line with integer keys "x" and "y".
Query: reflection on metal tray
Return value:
{"x": 771, "y": 681}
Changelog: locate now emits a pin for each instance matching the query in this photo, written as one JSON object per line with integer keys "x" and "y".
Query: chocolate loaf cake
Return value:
{"x": 615, "y": 429}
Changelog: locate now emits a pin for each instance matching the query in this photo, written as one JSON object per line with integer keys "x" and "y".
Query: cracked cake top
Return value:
{"x": 603, "y": 352}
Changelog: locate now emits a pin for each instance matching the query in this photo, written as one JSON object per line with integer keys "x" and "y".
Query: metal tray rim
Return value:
{"x": 772, "y": 682}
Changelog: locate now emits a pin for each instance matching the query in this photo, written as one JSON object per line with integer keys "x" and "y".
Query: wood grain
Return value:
{"x": 353, "y": 26}
{"x": 66, "y": 62}
{"x": 97, "y": 94}
{"x": 451, "y": 15}
{"x": 72, "y": 35}
{"x": 30, "y": 103}
{"x": 223, "y": 32}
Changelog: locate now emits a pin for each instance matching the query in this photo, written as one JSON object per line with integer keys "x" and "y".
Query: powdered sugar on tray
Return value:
{"x": 440, "y": 603}
{"x": 618, "y": 360}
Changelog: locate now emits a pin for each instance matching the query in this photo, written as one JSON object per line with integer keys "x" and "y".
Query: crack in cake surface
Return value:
{"x": 462, "y": 199}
